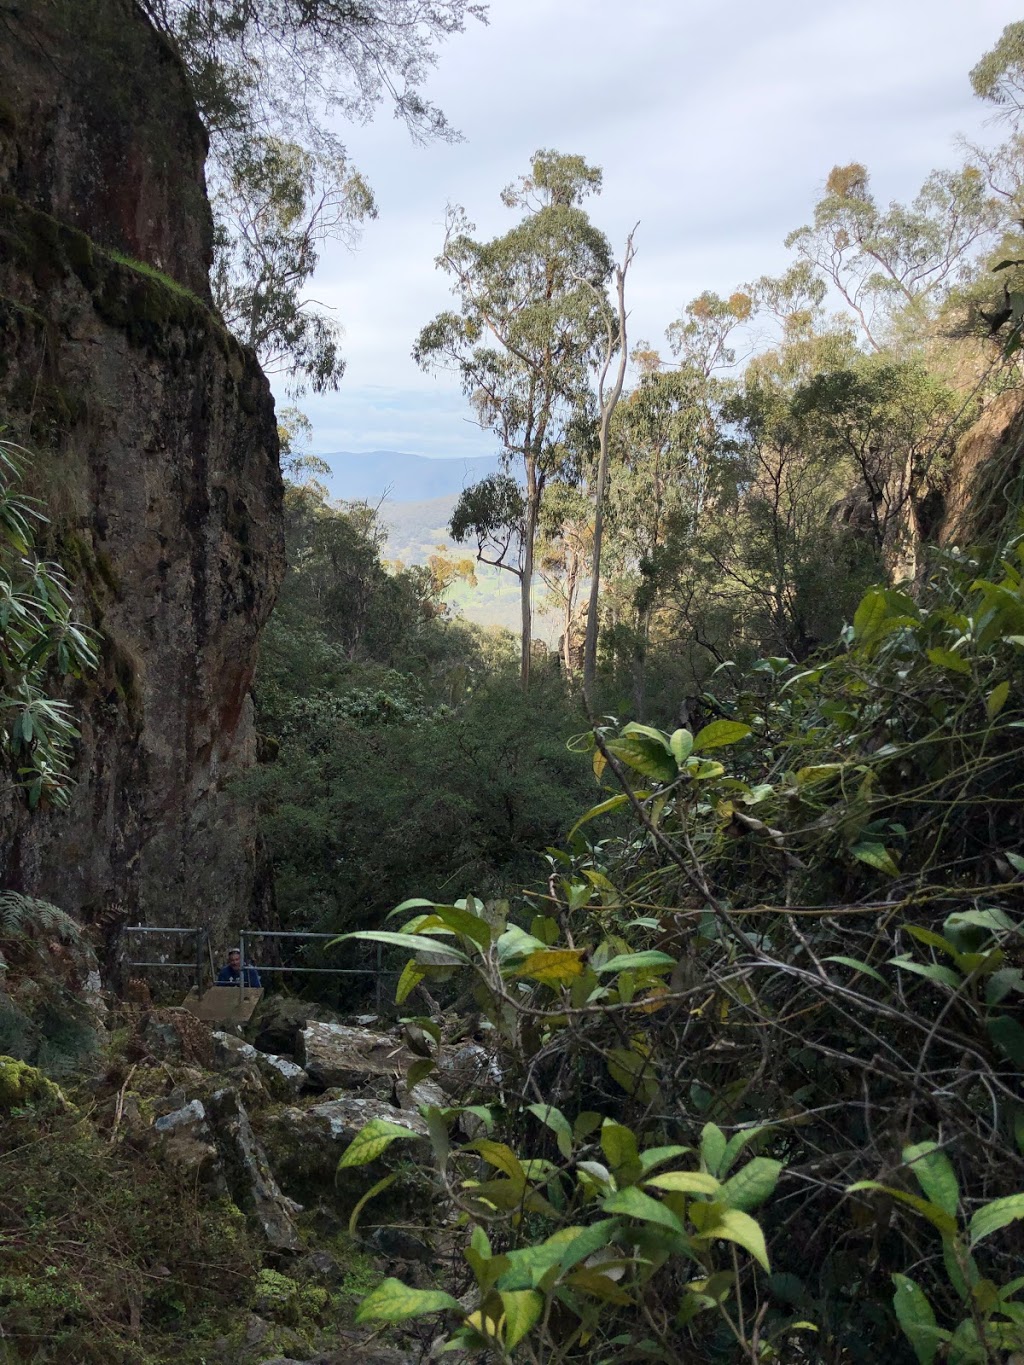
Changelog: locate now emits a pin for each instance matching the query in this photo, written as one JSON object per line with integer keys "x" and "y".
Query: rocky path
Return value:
{"x": 263, "y": 1124}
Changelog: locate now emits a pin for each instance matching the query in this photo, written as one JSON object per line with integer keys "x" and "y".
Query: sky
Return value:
{"x": 715, "y": 122}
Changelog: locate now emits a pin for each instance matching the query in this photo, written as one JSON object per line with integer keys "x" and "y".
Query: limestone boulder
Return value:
{"x": 305, "y": 1145}
{"x": 345, "y": 1057}
{"x": 282, "y": 1078}
{"x": 279, "y": 1019}
{"x": 187, "y": 1143}
{"x": 252, "y": 1182}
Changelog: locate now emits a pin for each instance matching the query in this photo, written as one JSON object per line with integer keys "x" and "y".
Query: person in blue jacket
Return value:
{"x": 231, "y": 973}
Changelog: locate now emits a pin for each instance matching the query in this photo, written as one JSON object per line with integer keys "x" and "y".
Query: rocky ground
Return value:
{"x": 253, "y": 1128}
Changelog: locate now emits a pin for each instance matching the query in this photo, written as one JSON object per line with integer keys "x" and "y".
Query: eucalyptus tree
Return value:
{"x": 899, "y": 259}
{"x": 271, "y": 80}
{"x": 530, "y": 323}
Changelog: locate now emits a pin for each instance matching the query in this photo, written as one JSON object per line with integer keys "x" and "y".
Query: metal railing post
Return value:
{"x": 241, "y": 967}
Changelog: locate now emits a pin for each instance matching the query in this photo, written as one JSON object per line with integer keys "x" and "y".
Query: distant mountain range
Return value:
{"x": 401, "y": 477}
{"x": 417, "y": 496}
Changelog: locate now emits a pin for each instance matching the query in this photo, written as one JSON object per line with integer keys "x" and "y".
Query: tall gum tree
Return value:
{"x": 529, "y": 328}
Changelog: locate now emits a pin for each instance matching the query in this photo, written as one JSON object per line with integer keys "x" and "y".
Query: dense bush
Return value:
{"x": 795, "y": 989}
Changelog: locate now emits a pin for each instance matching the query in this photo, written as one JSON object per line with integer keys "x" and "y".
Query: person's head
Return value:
{"x": 234, "y": 959}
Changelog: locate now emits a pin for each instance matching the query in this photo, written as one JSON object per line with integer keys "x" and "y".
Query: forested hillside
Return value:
{"x": 666, "y": 976}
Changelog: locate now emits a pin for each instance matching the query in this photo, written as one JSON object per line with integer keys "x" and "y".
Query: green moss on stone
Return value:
{"x": 22, "y": 1085}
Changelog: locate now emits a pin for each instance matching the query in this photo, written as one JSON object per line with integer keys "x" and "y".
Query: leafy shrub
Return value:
{"x": 809, "y": 947}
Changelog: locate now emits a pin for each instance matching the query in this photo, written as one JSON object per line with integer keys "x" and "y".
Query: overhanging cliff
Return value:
{"x": 156, "y": 452}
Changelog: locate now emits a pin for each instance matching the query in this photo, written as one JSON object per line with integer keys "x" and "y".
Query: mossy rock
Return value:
{"x": 285, "y": 1301}
{"x": 22, "y": 1085}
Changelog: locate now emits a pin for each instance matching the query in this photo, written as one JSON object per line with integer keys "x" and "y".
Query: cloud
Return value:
{"x": 715, "y": 125}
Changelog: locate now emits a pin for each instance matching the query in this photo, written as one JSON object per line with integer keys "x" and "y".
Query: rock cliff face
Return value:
{"x": 156, "y": 452}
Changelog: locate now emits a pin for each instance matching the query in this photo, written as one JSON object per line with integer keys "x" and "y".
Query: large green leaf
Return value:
{"x": 523, "y": 1308}
{"x": 648, "y": 960}
{"x": 946, "y": 658}
{"x": 528, "y": 1266}
{"x": 585, "y": 1241}
{"x": 935, "y": 1174}
{"x": 996, "y": 1215}
{"x": 685, "y": 1182}
{"x": 635, "y": 1204}
{"x": 914, "y": 1314}
{"x": 620, "y": 1150}
{"x": 946, "y": 975}
{"x": 712, "y": 1147}
{"x": 645, "y": 755}
{"x": 411, "y": 942}
{"x": 465, "y": 922}
{"x": 720, "y": 733}
{"x": 394, "y": 1301}
{"x": 875, "y": 855}
{"x": 613, "y": 803}
{"x": 555, "y": 1120}
{"x": 681, "y": 744}
{"x": 737, "y": 1143}
{"x": 1008, "y": 1035}
{"x": 752, "y": 1184}
{"x": 372, "y": 1139}
{"x": 936, "y": 1215}
{"x": 857, "y": 966}
{"x": 714, "y": 1221}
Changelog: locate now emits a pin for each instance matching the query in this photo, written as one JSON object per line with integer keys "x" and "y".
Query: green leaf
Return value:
{"x": 681, "y": 744}
{"x": 712, "y": 1147}
{"x": 685, "y": 1182}
{"x": 645, "y": 755}
{"x": 934, "y": 1172}
{"x": 648, "y": 960}
{"x": 817, "y": 772}
{"x": 613, "y": 803}
{"x": 996, "y": 1215}
{"x": 937, "y": 1216}
{"x": 620, "y": 1150}
{"x": 412, "y": 974}
{"x": 876, "y": 855}
{"x": 736, "y": 1144}
{"x": 1008, "y": 1036}
{"x": 931, "y": 970}
{"x": 372, "y": 1139}
{"x": 635, "y": 1204}
{"x": 522, "y": 1309}
{"x": 465, "y": 922}
{"x": 996, "y": 699}
{"x": 394, "y": 1301}
{"x": 857, "y": 966}
{"x": 419, "y": 1071}
{"x": 947, "y": 658}
{"x": 656, "y": 1156}
{"x": 552, "y": 966}
{"x": 720, "y": 733}
{"x": 498, "y": 1155}
{"x": 411, "y": 942}
{"x": 528, "y": 1266}
{"x": 657, "y": 736}
{"x": 371, "y": 1193}
{"x": 716, "y": 1222}
{"x": 870, "y": 616}
{"x": 751, "y": 1185}
{"x": 558, "y": 1123}
{"x": 588, "y": 1240}
{"x": 915, "y": 1316}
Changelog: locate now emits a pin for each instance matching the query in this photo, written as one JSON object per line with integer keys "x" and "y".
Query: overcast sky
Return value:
{"x": 715, "y": 122}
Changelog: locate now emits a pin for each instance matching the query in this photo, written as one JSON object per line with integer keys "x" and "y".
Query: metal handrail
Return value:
{"x": 244, "y": 935}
